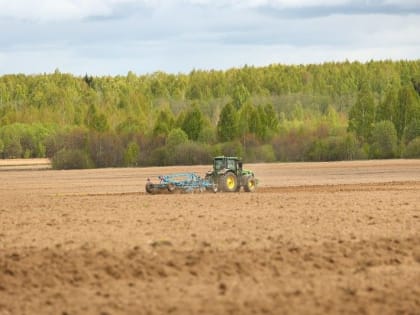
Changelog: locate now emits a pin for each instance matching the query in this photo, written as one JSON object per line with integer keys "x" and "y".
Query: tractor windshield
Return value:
{"x": 231, "y": 164}
{"x": 218, "y": 165}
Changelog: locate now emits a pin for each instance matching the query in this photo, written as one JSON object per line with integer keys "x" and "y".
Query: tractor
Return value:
{"x": 228, "y": 175}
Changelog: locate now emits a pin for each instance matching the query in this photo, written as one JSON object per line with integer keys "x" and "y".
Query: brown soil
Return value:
{"x": 24, "y": 164}
{"x": 314, "y": 239}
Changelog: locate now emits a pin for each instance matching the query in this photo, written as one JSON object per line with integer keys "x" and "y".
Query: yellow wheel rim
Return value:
{"x": 230, "y": 182}
{"x": 251, "y": 184}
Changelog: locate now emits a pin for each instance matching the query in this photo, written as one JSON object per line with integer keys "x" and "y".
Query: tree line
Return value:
{"x": 331, "y": 111}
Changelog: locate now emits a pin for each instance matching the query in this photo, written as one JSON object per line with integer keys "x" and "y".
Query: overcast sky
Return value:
{"x": 102, "y": 37}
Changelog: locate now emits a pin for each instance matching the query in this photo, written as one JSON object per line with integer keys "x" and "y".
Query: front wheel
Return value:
{"x": 250, "y": 185}
{"x": 229, "y": 182}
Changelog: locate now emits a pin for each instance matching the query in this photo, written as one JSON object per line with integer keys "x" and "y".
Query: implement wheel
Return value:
{"x": 250, "y": 185}
{"x": 150, "y": 188}
{"x": 171, "y": 187}
{"x": 229, "y": 182}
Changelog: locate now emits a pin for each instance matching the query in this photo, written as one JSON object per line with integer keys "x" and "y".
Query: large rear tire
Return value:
{"x": 250, "y": 185}
{"x": 229, "y": 182}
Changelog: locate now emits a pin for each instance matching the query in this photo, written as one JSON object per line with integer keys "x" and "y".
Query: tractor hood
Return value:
{"x": 247, "y": 172}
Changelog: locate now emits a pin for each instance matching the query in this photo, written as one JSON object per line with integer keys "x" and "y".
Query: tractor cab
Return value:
{"x": 228, "y": 175}
{"x": 223, "y": 164}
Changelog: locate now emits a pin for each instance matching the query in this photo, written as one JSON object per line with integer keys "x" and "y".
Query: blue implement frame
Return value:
{"x": 187, "y": 182}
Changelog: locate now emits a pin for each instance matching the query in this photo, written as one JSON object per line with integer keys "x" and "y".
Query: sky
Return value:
{"x": 113, "y": 37}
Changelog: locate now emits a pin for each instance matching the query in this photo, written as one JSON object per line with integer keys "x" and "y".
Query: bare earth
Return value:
{"x": 315, "y": 238}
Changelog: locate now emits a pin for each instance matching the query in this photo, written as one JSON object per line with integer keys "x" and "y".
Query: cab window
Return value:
{"x": 218, "y": 165}
{"x": 231, "y": 165}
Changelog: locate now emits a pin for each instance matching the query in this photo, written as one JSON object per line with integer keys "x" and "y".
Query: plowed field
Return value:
{"x": 320, "y": 238}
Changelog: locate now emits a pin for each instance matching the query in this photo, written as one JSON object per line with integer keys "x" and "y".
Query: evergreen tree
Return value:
{"x": 164, "y": 122}
{"x": 386, "y": 109}
{"x": 383, "y": 140}
{"x": 270, "y": 118}
{"x": 193, "y": 123}
{"x": 240, "y": 96}
{"x": 131, "y": 154}
{"x": 227, "y": 126}
{"x": 176, "y": 137}
{"x": 412, "y": 131}
{"x": 407, "y": 109}
{"x": 96, "y": 121}
{"x": 412, "y": 150}
{"x": 362, "y": 115}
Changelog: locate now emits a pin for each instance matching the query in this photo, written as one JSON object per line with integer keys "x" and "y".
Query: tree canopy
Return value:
{"x": 280, "y": 112}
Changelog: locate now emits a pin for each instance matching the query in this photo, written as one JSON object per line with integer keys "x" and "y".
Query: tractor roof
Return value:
{"x": 222, "y": 157}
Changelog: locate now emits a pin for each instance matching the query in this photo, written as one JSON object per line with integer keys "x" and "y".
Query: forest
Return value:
{"x": 316, "y": 112}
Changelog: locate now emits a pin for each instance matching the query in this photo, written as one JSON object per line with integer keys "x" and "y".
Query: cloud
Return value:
{"x": 115, "y": 36}
{"x": 53, "y": 10}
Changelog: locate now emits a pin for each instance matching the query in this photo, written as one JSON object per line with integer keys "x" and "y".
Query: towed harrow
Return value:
{"x": 227, "y": 175}
{"x": 184, "y": 182}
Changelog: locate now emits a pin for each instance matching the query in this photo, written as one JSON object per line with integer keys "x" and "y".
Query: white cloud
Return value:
{"x": 115, "y": 36}
{"x": 412, "y": 3}
{"x": 45, "y": 10}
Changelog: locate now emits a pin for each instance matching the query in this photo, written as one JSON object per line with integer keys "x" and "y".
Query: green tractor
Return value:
{"x": 229, "y": 176}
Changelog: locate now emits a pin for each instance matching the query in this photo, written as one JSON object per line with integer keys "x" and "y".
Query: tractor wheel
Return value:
{"x": 149, "y": 188}
{"x": 229, "y": 182}
{"x": 250, "y": 185}
{"x": 213, "y": 187}
{"x": 171, "y": 187}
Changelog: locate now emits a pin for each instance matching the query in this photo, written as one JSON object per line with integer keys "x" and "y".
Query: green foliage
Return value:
{"x": 362, "y": 115}
{"x": 96, "y": 121}
{"x": 233, "y": 148}
{"x": 387, "y": 109}
{"x": 407, "y": 109}
{"x": 190, "y": 153}
{"x": 384, "y": 140}
{"x": 193, "y": 123}
{"x": 164, "y": 122}
{"x": 227, "y": 127}
{"x": 131, "y": 154}
{"x": 350, "y": 149}
{"x": 13, "y": 149}
{"x": 412, "y": 131}
{"x": 23, "y": 140}
{"x": 269, "y": 121}
{"x": 240, "y": 96}
{"x": 130, "y": 125}
{"x": 262, "y": 154}
{"x": 207, "y": 135}
{"x": 333, "y": 148}
{"x": 412, "y": 150}
{"x": 159, "y": 157}
{"x": 248, "y": 121}
{"x": 293, "y": 145}
{"x": 73, "y": 139}
{"x": 105, "y": 149}
{"x": 176, "y": 137}
{"x": 71, "y": 159}
{"x": 10, "y": 135}
{"x": 301, "y": 111}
